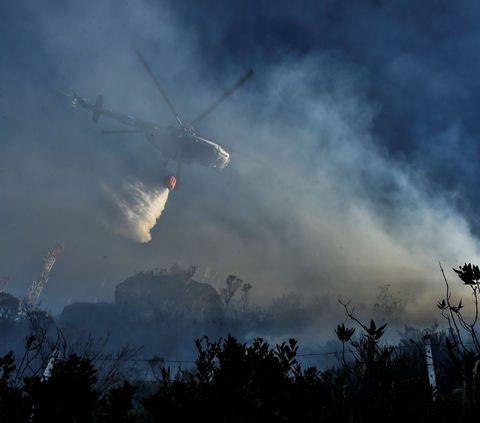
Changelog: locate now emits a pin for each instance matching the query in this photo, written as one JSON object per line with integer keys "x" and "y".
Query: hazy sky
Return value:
{"x": 363, "y": 116}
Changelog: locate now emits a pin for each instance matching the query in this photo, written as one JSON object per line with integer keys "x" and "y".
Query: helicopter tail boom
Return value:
{"x": 98, "y": 110}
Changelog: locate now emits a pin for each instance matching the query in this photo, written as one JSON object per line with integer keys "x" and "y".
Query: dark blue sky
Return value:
{"x": 364, "y": 115}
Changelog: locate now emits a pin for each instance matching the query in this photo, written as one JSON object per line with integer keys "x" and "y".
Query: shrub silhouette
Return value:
{"x": 117, "y": 405}
{"x": 384, "y": 381}
{"x": 237, "y": 383}
{"x": 68, "y": 395}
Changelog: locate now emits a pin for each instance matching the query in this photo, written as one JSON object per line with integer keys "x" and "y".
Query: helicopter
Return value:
{"x": 181, "y": 143}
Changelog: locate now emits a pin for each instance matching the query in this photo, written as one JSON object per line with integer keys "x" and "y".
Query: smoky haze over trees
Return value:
{"x": 159, "y": 313}
{"x": 254, "y": 381}
{"x": 164, "y": 311}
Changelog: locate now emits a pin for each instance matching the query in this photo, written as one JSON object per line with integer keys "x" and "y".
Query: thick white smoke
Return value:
{"x": 140, "y": 208}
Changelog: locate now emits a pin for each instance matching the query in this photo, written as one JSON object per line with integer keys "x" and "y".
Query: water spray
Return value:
{"x": 140, "y": 208}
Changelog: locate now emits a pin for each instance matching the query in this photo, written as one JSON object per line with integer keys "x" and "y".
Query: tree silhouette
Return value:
{"x": 227, "y": 294}
{"x": 9, "y": 309}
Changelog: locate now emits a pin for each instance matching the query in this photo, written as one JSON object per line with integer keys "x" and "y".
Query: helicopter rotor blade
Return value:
{"x": 224, "y": 96}
{"x": 121, "y": 131}
{"x": 147, "y": 67}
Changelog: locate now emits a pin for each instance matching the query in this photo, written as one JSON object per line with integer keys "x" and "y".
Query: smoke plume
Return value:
{"x": 140, "y": 208}
{"x": 365, "y": 116}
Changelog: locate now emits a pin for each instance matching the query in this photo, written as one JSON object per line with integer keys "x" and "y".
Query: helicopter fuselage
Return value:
{"x": 186, "y": 147}
{"x": 175, "y": 143}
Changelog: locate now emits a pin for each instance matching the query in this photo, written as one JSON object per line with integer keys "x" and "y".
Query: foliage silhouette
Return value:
{"x": 463, "y": 344}
{"x": 237, "y": 383}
